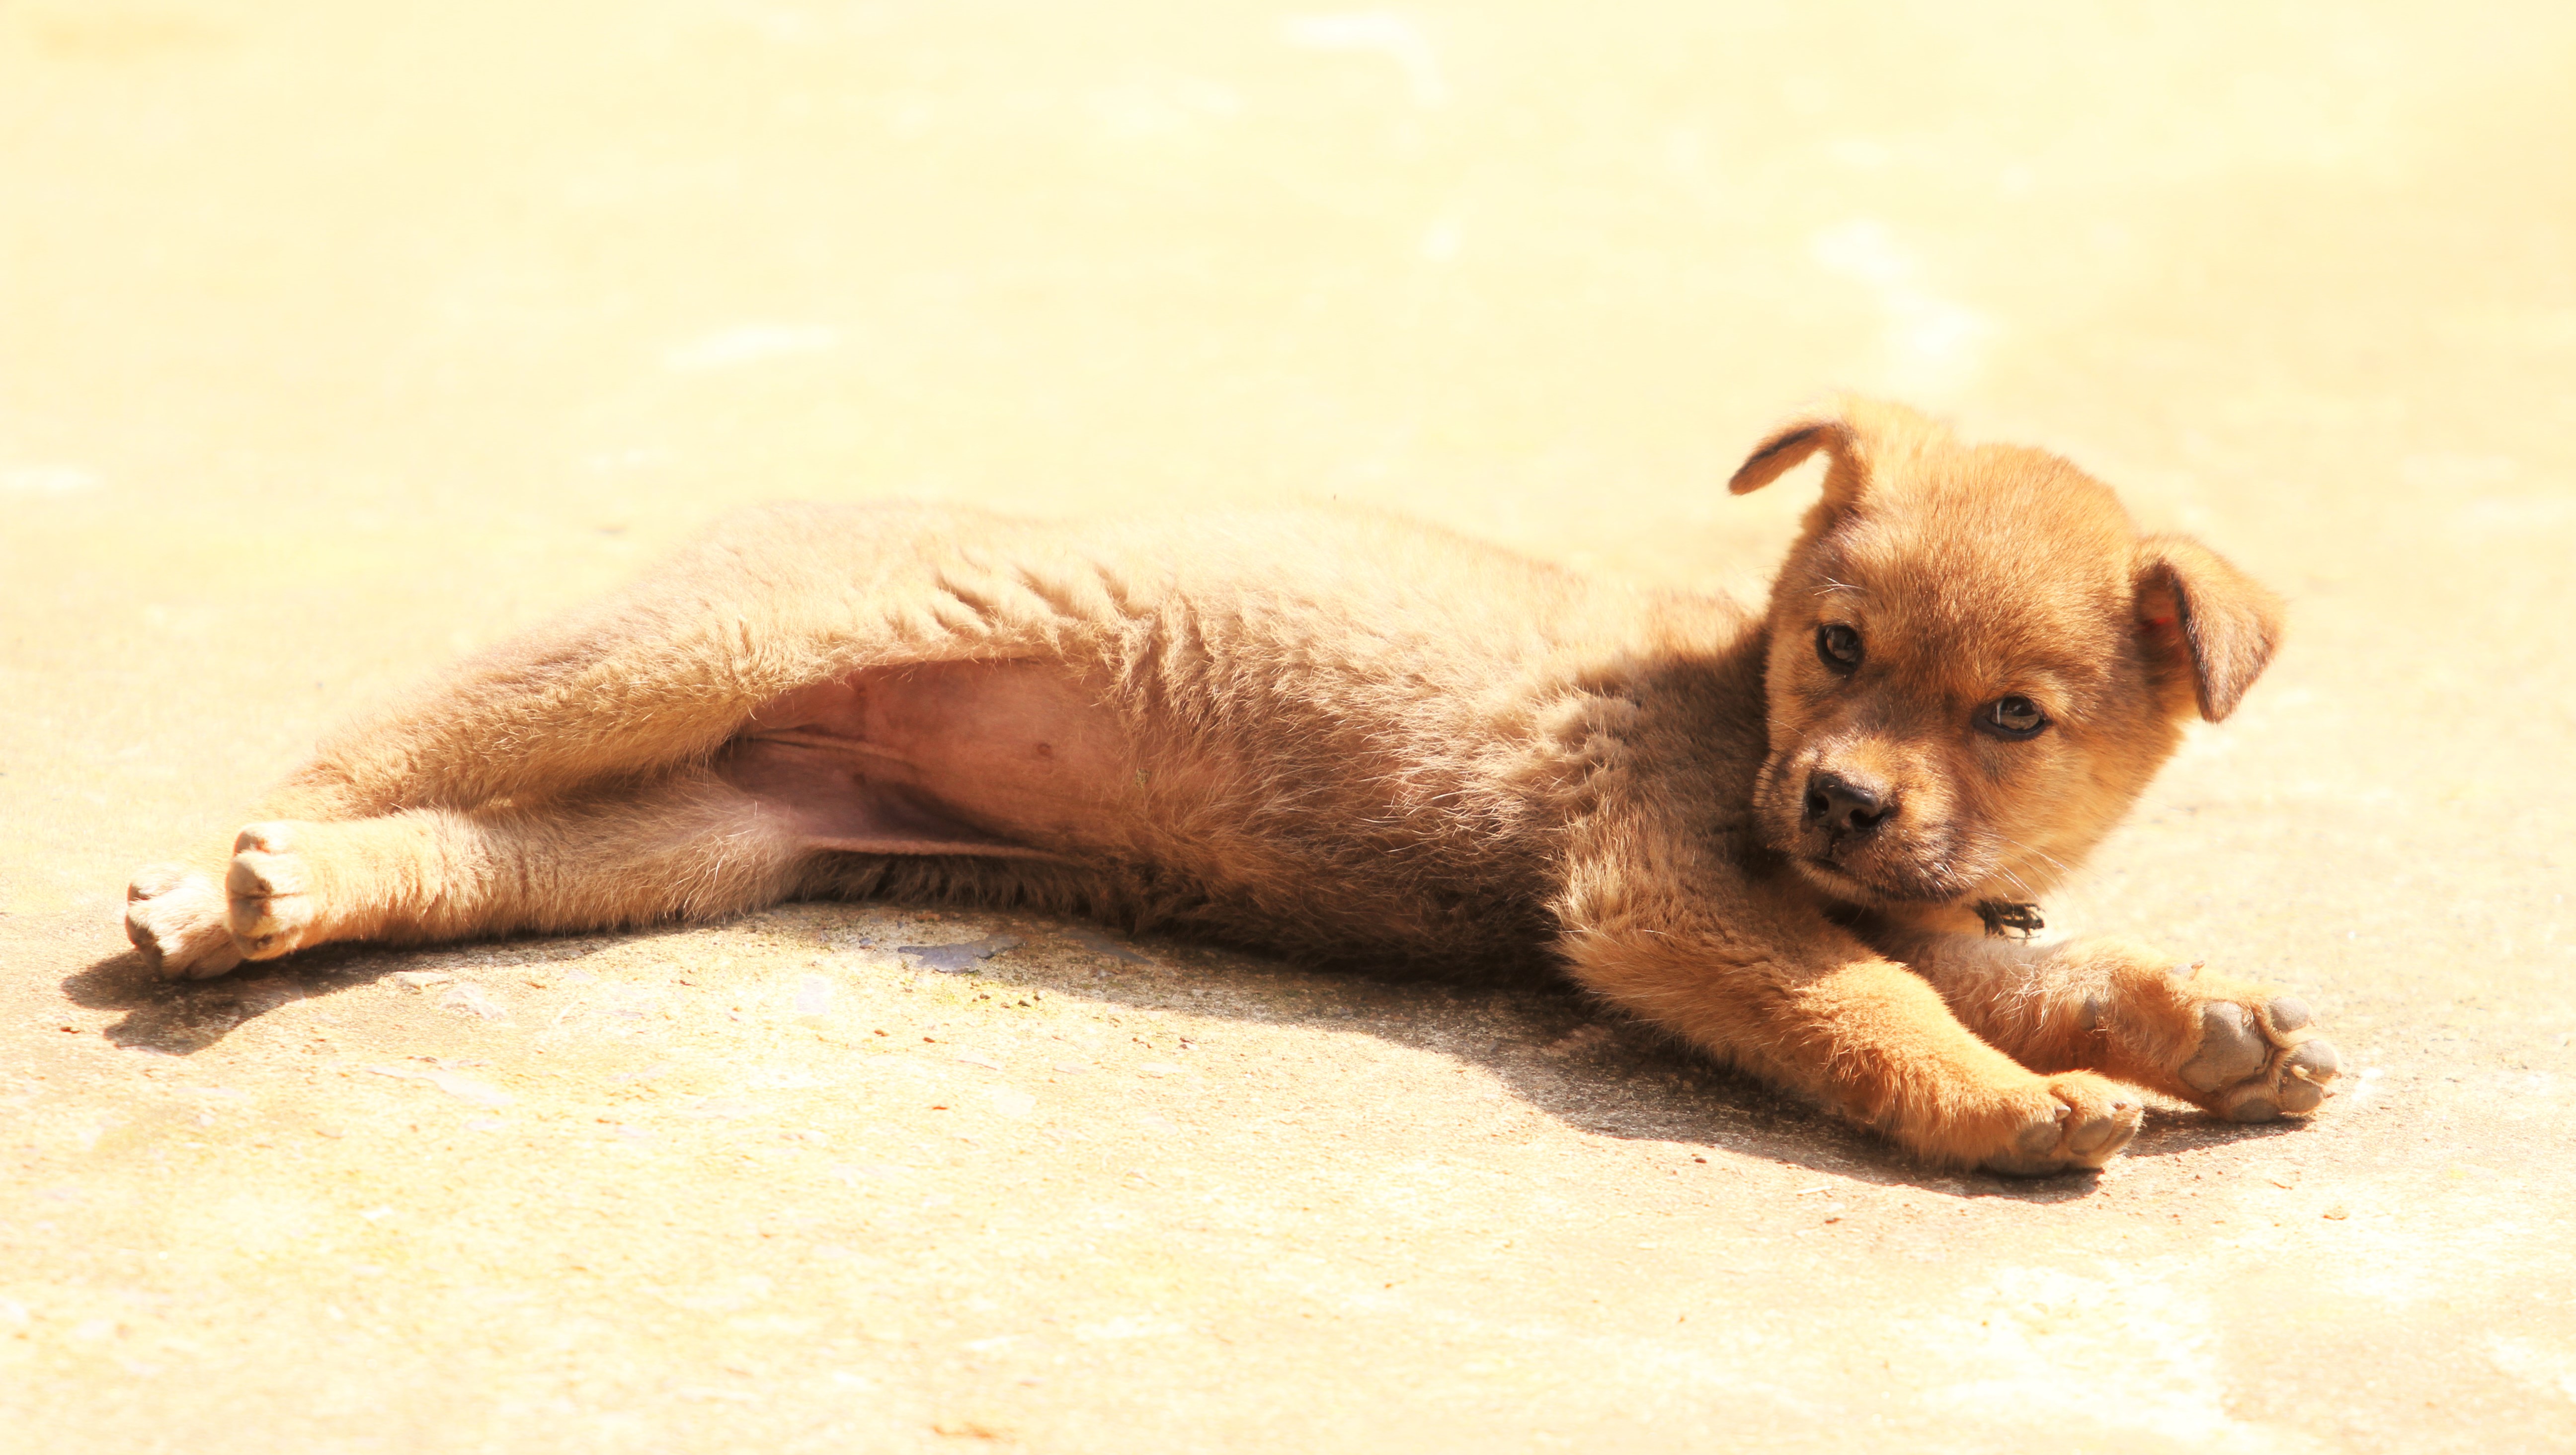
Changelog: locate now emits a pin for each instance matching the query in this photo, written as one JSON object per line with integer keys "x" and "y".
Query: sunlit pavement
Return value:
{"x": 336, "y": 339}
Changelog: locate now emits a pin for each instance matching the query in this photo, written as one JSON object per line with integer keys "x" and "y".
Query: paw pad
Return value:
{"x": 2097, "y": 1139}
{"x": 2083, "y": 1127}
{"x": 2231, "y": 1049}
{"x": 2251, "y": 1070}
{"x": 2304, "y": 1075}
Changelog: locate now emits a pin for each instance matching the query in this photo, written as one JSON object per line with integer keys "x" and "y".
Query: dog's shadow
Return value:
{"x": 1549, "y": 1045}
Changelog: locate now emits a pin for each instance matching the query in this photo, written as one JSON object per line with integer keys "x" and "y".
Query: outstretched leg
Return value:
{"x": 2234, "y": 1047}
{"x": 525, "y": 753}
{"x": 1775, "y": 989}
{"x": 690, "y": 844}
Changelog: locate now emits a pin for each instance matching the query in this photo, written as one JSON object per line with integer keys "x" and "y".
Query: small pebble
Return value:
{"x": 958, "y": 959}
{"x": 471, "y": 998}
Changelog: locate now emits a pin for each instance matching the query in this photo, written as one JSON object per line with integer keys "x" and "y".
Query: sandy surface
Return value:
{"x": 335, "y": 339}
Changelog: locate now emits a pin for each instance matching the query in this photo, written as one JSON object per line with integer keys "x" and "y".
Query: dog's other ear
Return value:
{"x": 2192, "y": 603}
{"x": 1858, "y": 436}
{"x": 1788, "y": 447}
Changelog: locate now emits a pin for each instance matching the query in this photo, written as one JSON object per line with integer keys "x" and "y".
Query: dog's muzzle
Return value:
{"x": 1844, "y": 807}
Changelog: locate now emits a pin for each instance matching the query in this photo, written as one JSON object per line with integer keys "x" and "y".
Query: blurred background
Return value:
{"x": 338, "y": 338}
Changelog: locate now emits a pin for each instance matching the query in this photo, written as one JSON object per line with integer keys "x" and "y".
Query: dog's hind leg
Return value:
{"x": 688, "y": 845}
{"x": 642, "y": 685}
{"x": 942, "y": 762}
{"x": 392, "y": 819}
{"x": 663, "y": 672}
{"x": 608, "y": 694}
{"x": 2236, "y": 1048}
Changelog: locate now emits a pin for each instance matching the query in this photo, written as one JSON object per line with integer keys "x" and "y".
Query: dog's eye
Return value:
{"x": 1838, "y": 647}
{"x": 2013, "y": 717}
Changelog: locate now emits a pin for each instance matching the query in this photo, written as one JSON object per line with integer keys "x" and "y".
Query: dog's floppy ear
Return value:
{"x": 1857, "y": 436}
{"x": 2191, "y": 601}
{"x": 1788, "y": 447}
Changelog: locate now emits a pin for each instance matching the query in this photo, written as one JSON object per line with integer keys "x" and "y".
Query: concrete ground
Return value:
{"x": 336, "y": 339}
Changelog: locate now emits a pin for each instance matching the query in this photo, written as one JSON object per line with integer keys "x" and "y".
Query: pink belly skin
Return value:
{"x": 1001, "y": 759}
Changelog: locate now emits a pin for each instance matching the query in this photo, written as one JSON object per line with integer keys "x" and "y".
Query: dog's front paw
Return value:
{"x": 2259, "y": 1062}
{"x": 2064, "y": 1123}
{"x": 176, "y": 917}
{"x": 270, "y": 892}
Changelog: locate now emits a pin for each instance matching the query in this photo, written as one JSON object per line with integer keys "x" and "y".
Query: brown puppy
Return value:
{"x": 1793, "y": 840}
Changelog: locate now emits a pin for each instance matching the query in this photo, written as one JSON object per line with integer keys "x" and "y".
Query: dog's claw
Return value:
{"x": 2099, "y": 1140}
{"x": 2087, "y": 1122}
{"x": 2305, "y": 1074}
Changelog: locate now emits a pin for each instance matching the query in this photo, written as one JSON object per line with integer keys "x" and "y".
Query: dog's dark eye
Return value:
{"x": 2013, "y": 717}
{"x": 1838, "y": 647}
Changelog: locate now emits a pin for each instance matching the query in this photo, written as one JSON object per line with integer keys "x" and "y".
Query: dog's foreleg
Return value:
{"x": 1863, "y": 1035}
{"x": 2234, "y": 1047}
{"x": 687, "y": 845}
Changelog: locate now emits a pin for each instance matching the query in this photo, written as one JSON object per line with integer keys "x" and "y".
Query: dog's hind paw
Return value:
{"x": 2074, "y": 1121}
{"x": 2254, "y": 1065}
{"x": 270, "y": 906}
{"x": 175, "y": 916}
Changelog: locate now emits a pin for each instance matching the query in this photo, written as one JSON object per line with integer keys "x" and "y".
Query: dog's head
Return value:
{"x": 1975, "y": 661}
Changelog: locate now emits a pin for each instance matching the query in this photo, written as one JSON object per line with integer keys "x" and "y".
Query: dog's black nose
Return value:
{"x": 1844, "y": 807}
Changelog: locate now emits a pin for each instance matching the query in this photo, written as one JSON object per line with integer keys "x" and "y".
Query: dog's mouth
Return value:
{"x": 1848, "y": 884}
{"x": 1912, "y": 888}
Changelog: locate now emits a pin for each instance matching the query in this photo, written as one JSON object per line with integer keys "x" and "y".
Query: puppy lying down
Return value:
{"x": 1793, "y": 839}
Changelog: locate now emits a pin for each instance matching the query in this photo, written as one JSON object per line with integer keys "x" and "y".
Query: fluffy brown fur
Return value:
{"x": 1346, "y": 737}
